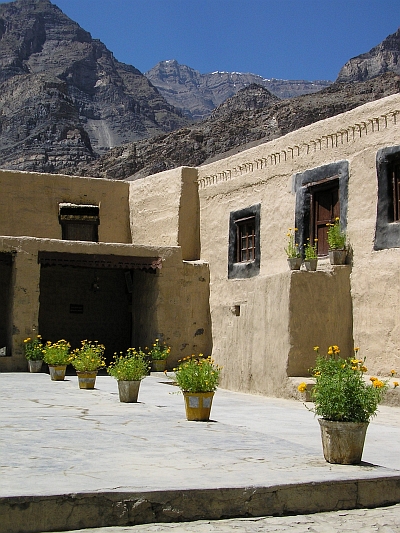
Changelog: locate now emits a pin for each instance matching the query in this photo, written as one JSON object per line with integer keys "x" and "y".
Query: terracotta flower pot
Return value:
{"x": 343, "y": 442}
{"x": 35, "y": 366}
{"x": 337, "y": 257}
{"x": 294, "y": 263}
{"x": 86, "y": 379}
{"x": 128, "y": 391}
{"x": 158, "y": 365}
{"x": 311, "y": 264}
{"x": 57, "y": 372}
{"x": 198, "y": 405}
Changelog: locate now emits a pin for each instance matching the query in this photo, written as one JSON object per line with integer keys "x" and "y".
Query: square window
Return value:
{"x": 79, "y": 222}
{"x": 387, "y": 230}
{"x": 245, "y": 239}
{"x": 244, "y": 243}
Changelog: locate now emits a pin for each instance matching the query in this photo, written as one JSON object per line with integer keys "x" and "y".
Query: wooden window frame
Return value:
{"x": 394, "y": 173}
{"x": 387, "y": 228}
{"x": 245, "y": 239}
{"x": 78, "y": 220}
{"x": 304, "y": 183}
{"x": 328, "y": 184}
{"x": 244, "y": 243}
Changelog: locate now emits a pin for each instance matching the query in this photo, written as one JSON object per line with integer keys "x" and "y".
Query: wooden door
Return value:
{"x": 325, "y": 208}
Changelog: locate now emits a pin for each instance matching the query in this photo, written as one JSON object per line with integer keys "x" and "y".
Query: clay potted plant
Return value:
{"x": 34, "y": 353}
{"x": 337, "y": 243}
{"x": 129, "y": 369}
{"x": 159, "y": 353}
{"x": 292, "y": 250}
{"x": 346, "y": 402}
{"x": 57, "y": 356}
{"x": 310, "y": 255}
{"x": 198, "y": 378}
{"x": 87, "y": 361}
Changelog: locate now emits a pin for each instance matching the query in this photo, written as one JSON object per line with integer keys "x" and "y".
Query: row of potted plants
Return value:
{"x": 196, "y": 376}
{"x": 337, "y": 248}
{"x": 343, "y": 399}
{"x": 345, "y": 402}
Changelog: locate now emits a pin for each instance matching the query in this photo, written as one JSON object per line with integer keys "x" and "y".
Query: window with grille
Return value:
{"x": 245, "y": 239}
{"x": 387, "y": 230}
{"x": 394, "y": 175}
{"x": 244, "y": 243}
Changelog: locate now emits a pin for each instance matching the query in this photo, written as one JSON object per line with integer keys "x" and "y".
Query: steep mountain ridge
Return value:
{"x": 197, "y": 95}
{"x": 63, "y": 95}
{"x": 249, "y": 118}
{"x": 65, "y": 100}
{"x": 382, "y": 58}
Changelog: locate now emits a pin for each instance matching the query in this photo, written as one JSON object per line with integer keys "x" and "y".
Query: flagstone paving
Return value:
{"x": 63, "y": 449}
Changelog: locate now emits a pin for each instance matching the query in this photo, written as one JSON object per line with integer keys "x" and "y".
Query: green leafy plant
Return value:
{"x": 131, "y": 366}
{"x": 340, "y": 392}
{"x": 197, "y": 374}
{"x": 292, "y": 248}
{"x": 159, "y": 350}
{"x": 57, "y": 353}
{"x": 310, "y": 250}
{"x": 336, "y": 237}
{"x": 89, "y": 357}
{"x": 33, "y": 348}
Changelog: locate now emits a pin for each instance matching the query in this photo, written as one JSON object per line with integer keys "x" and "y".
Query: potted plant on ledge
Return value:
{"x": 345, "y": 402}
{"x": 310, "y": 255}
{"x": 292, "y": 251}
{"x": 57, "y": 356}
{"x": 337, "y": 243}
{"x": 87, "y": 360}
{"x": 198, "y": 378}
{"x": 158, "y": 354}
{"x": 129, "y": 370}
{"x": 34, "y": 353}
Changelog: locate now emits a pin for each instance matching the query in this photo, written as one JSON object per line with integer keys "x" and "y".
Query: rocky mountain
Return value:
{"x": 64, "y": 98}
{"x": 249, "y": 118}
{"x": 382, "y": 58}
{"x": 198, "y": 94}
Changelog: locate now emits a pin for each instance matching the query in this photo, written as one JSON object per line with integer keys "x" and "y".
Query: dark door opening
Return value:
{"x": 5, "y": 302}
{"x": 78, "y": 303}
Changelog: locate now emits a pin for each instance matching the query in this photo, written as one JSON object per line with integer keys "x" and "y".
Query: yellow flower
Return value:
{"x": 302, "y": 387}
{"x": 373, "y": 378}
{"x": 316, "y": 348}
{"x": 356, "y": 349}
{"x": 364, "y": 369}
{"x": 378, "y": 384}
{"x": 395, "y": 384}
{"x": 393, "y": 372}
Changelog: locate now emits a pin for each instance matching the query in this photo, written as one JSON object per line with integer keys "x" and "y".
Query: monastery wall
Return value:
{"x": 29, "y": 204}
{"x": 255, "y": 328}
{"x": 164, "y": 211}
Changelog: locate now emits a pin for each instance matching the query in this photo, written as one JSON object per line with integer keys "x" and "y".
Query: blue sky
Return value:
{"x": 289, "y": 39}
